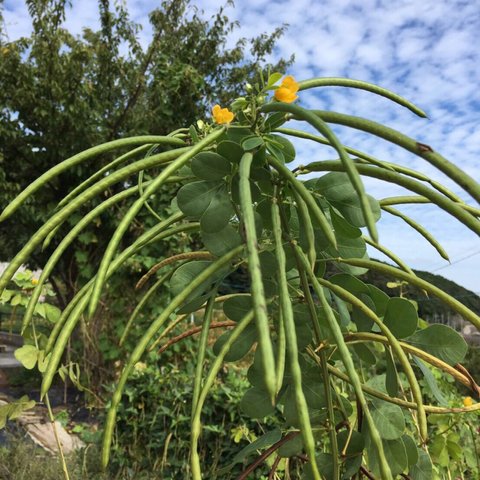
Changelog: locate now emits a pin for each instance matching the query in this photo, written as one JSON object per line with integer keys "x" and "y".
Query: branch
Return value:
{"x": 244, "y": 475}
{"x": 193, "y": 331}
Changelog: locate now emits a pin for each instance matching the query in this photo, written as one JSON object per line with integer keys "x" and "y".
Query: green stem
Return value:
{"x": 77, "y": 202}
{"x": 419, "y": 228}
{"x": 307, "y": 197}
{"x": 369, "y": 87}
{"x": 389, "y": 254}
{"x": 202, "y": 348}
{"x": 141, "y": 304}
{"x": 136, "y": 207}
{"x": 196, "y": 426}
{"x": 60, "y": 335}
{"x": 465, "y": 312}
{"x": 82, "y": 157}
{"x": 258, "y": 293}
{"x": 147, "y": 337}
{"x": 395, "y": 344}
{"x": 446, "y": 204}
{"x": 100, "y": 173}
{"x": 349, "y": 366}
{"x": 291, "y": 339}
{"x": 350, "y": 168}
{"x": 423, "y": 151}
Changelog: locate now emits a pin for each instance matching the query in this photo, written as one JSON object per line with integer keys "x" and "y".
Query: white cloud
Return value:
{"x": 426, "y": 51}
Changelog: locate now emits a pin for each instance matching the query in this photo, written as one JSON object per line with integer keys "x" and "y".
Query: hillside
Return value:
{"x": 427, "y": 306}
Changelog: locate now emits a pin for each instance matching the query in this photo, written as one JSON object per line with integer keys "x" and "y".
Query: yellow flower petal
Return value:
{"x": 290, "y": 83}
{"x": 287, "y": 90}
{"x": 222, "y": 115}
{"x": 467, "y": 401}
{"x": 283, "y": 94}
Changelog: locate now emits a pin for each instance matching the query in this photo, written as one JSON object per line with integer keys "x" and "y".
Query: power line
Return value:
{"x": 456, "y": 261}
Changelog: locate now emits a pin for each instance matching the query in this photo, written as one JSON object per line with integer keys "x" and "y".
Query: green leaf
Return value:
{"x": 401, "y": 317}
{"x": 264, "y": 441}
{"x": 6, "y": 296}
{"x": 194, "y": 198}
{"x": 236, "y": 308}
{"x": 442, "y": 342}
{"x": 350, "y": 283}
{"x": 250, "y": 143}
{"x": 431, "y": 382}
{"x": 185, "y": 274}
{"x": 275, "y": 120}
{"x": 221, "y": 242}
{"x": 334, "y": 186}
{"x": 291, "y": 448}
{"x": 16, "y": 300}
{"x": 423, "y": 469}
{"x": 380, "y": 299}
{"x": 27, "y": 356}
{"x": 391, "y": 376}
{"x": 281, "y": 148}
{"x": 389, "y": 420}
{"x": 274, "y": 78}
{"x": 325, "y": 466}
{"x": 240, "y": 347}
{"x": 411, "y": 449}
{"x": 232, "y": 151}
{"x": 364, "y": 353}
{"x": 256, "y": 403}
{"x": 210, "y": 166}
{"x": 218, "y": 213}
{"x": 52, "y": 312}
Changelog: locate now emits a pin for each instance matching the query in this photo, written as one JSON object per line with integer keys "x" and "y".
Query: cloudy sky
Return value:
{"x": 424, "y": 50}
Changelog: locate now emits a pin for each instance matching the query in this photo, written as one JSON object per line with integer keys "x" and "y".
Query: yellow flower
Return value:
{"x": 467, "y": 401}
{"x": 34, "y": 281}
{"x": 222, "y": 115}
{"x": 287, "y": 91}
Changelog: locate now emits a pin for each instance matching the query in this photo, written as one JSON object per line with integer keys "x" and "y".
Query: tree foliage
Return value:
{"x": 62, "y": 93}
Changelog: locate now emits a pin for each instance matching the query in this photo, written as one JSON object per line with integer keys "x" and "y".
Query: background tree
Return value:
{"x": 63, "y": 93}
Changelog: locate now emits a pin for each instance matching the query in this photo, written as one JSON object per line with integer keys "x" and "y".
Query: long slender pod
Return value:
{"x": 402, "y": 199}
{"x": 464, "y": 311}
{"x": 100, "y": 173}
{"x": 196, "y": 426}
{"x": 258, "y": 292}
{"x": 424, "y": 151}
{"x": 81, "y": 157}
{"x": 365, "y": 157}
{"x": 369, "y": 87}
{"x": 307, "y": 224}
{"x": 63, "y": 245}
{"x": 348, "y": 363}
{"x": 291, "y": 339}
{"x": 154, "y": 234}
{"x": 419, "y": 228}
{"x": 147, "y": 337}
{"x": 307, "y": 197}
{"x": 400, "y": 401}
{"x": 202, "y": 349}
{"x": 77, "y": 202}
{"x": 443, "y": 202}
{"x": 395, "y": 344}
{"x": 327, "y": 384}
{"x": 317, "y": 122}
{"x": 145, "y": 298}
{"x": 136, "y": 207}
{"x": 388, "y": 253}
{"x": 418, "y": 352}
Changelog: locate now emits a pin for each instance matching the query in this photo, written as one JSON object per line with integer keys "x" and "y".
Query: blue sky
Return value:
{"x": 424, "y": 50}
